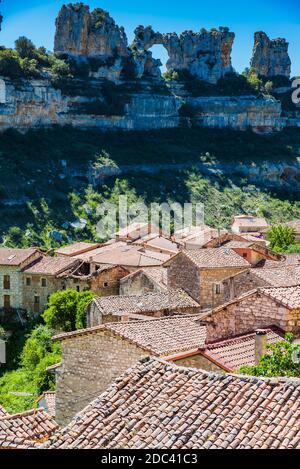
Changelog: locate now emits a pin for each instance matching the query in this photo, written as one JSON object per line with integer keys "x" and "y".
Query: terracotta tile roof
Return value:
{"x": 287, "y": 296}
{"x": 138, "y": 304}
{"x": 284, "y": 276}
{"x": 27, "y": 428}
{"x": 287, "y": 260}
{"x": 163, "y": 336}
{"x": 126, "y": 255}
{"x": 157, "y": 405}
{"x": 234, "y": 353}
{"x": 51, "y": 265}
{"x": 249, "y": 221}
{"x": 213, "y": 258}
{"x": 157, "y": 275}
{"x": 15, "y": 257}
{"x": 47, "y": 402}
{"x": 3, "y": 412}
{"x": 76, "y": 248}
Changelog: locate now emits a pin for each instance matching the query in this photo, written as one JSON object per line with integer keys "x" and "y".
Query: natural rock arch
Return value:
{"x": 2, "y": 92}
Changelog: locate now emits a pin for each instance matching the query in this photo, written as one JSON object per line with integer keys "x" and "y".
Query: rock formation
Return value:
{"x": 270, "y": 57}
{"x": 81, "y": 33}
{"x": 206, "y": 54}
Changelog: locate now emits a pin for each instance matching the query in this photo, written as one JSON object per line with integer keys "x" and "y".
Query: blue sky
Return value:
{"x": 36, "y": 20}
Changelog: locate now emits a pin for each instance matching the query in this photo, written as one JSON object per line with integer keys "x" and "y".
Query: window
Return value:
{"x": 6, "y": 282}
{"x": 218, "y": 289}
{"x": 36, "y": 308}
{"x": 78, "y": 288}
{"x": 105, "y": 284}
{"x": 44, "y": 282}
{"x": 28, "y": 281}
{"x": 7, "y": 302}
{"x": 245, "y": 255}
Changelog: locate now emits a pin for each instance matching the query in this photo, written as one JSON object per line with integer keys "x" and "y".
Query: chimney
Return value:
{"x": 260, "y": 345}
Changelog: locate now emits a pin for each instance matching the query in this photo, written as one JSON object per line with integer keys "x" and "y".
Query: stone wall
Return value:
{"x": 138, "y": 284}
{"x": 107, "y": 283}
{"x": 253, "y": 312}
{"x": 241, "y": 284}
{"x": 16, "y": 283}
{"x": 90, "y": 363}
{"x": 200, "y": 284}
{"x": 199, "y": 362}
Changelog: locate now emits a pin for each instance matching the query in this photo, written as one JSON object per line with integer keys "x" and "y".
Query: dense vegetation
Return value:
{"x": 282, "y": 359}
{"x": 283, "y": 239}
{"x": 31, "y": 349}
{"x": 44, "y": 186}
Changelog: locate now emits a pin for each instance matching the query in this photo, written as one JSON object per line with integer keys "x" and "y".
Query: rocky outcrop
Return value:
{"x": 259, "y": 113}
{"x": 81, "y": 33}
{"x": 270, "y": 57}
{"x": 206, "y": 54}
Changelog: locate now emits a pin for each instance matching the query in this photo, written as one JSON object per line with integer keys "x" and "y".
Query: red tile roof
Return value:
{"x": 76, "y": 248}
{"x": 27, "y": 428}
{"x": 157, "y": 405}
{"x": 234, "y": 353}
{"x": 287, "y": 296}
{"x": 51, "y": 265}
{"x": 15, "y": 257}
{"x": 47, "y": 402}
{"x": 212, "y": 258}
{"x": 149, "y": 302}
{"x": 160, "y": 337}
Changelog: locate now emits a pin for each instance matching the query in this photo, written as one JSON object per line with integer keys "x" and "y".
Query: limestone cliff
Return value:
{"x": 124, "y": 88}
{"x": 82, "y": 33}
{"x": 206, "y": 54}
{"x": 270, "y": 57}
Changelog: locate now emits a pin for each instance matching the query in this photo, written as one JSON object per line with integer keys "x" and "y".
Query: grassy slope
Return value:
{"x": 30, "y": 168}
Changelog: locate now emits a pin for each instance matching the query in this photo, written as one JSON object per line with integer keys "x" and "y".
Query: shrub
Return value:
{"x": 25, "y": 47}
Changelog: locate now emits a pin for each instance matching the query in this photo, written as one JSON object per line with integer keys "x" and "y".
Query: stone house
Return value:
{"x": 229, "y": 355}
{"x": 12, "y": 261}
{"x": 225, "y": 238}
{"x": 248, "y": 224}
{"x": 50, "y": 274}
{"x": 93, "y": 358}
{"x": 144, "y": 281}
{"x": 154, "y": 305}
{"x": 251, "y": 279}
{"x": 104, "y": 281}
{"x": 201, "y": 273}
{"x": 257, "y": 309}
{"x": 43, "y": 277}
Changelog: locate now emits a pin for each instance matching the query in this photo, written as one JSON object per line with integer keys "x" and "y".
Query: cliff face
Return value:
{"x": 206, "y": 55}
{"x": 85, "y": 34}
{"x": 270, "y": 57}
{"x": 124, "y": 88}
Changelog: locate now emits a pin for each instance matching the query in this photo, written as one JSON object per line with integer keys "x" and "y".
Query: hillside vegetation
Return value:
{"x": 44, "y": 185}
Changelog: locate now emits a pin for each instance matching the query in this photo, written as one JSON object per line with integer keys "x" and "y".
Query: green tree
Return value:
{"x": 25, "y": 47}
{"x": 84, "y": 299}
{"x": 281, "y": 237}
{"x": 66, "y": 310}
{"x": 283, "y": 359}
{"x": 37, "y": 346}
